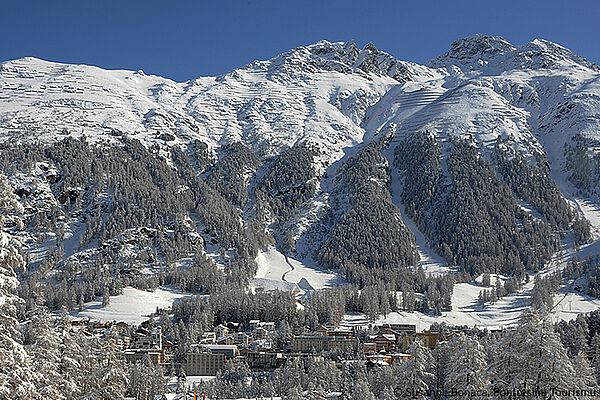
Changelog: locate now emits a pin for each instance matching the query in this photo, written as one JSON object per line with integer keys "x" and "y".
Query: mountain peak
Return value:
{"x": 343, "y": 57}
{"x": 476, "y": 49}
{"x": 371, "y": 47}
{"x": 541, "y": 53}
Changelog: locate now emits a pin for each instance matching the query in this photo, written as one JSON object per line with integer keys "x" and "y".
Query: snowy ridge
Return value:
{"x": 317, "y": 93}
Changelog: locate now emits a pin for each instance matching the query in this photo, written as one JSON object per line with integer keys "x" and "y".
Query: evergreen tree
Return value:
{"x": 594, "y": 354}
{"x": 45, "y": 353}
{"x": 586, "y": 377}
{"x": 415, "y": 376}
{"x": 361, "y": 390}
{"x": 533, "y": 357}
{"x": 16, "y": 378}
{"x": 467, "y": 372}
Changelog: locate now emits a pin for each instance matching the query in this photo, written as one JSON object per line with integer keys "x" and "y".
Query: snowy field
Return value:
{"x": 133, "y": 306}
{"x": 465, "y": 311}
{"x": 504, "y": 313}
{"x": 275, "y": 270}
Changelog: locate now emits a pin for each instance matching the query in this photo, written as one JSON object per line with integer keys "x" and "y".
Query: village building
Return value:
{"x": 264, "y": 361}
{"x": 241, "y": 339}
{"x": 208, "y": 338}
{"x": 228, "y": 340}
{"x": 221, "y": 330}
{"x": 229, "y": 351}
{"x": 427, "y": 338}
{"x": 134, "y": 356}
{"x": 199, "y": 363}
{"x": 310, "y": 343}
{"x": 260, "y": 333}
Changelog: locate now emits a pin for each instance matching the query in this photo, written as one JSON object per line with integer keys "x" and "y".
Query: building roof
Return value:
{"x": 220, "y": 346}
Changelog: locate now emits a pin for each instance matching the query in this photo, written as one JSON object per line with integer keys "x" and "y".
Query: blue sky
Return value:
{"x": 186, "y": 39}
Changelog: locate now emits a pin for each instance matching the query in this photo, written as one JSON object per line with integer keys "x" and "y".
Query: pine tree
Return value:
{"x": 594, "y": 355}
{"x": 467, "y": 372}
{"x": 415, "y": 377}
{"x": 45, "y": 352}
{"x": 16, "y": 379}
{"x": 486, "y": 281}
{"x": 586, "y": 378}
{"x": 533, "y": 357}
{"x": 361, "y": 390}
{"x": 103, "y": 369}
{"x": 480, "y": 301}
{"x": 106, "y": 298}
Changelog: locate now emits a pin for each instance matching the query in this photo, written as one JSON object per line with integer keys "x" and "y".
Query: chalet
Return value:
{"x": 369, "y": 348}
{"x": 221, "y": 330}
{"x": 228, "y": 340}
{"x": 167, "y": 346}
{"x": 145, "y": 339}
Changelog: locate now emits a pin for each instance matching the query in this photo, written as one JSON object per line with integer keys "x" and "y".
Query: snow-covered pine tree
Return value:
{"x": 71, "y": 358}
{"x": 594, "y": 355}
{"x": 104, "y": 374}
{"x": 16, "y": 378}
{"x": 361, "y": 390}
{"x": 415, "y": 377}
{"x": 534, "y": 358}
{"x": 467, "y": 371}
{"x": 585, "y": 373}
{"x": 45, "y": 353}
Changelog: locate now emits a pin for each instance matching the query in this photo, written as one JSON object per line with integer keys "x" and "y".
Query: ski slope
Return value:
{"x": 132, "y": 306}
{"x": 277, "y": 271}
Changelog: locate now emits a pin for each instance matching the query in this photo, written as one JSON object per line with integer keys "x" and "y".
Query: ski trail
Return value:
{"x": 289, "y": 270}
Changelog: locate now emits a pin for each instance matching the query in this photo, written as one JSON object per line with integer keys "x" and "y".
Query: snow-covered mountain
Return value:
{"x": 318, "y": 93}
{"x": 325, "y": 128}
{"x": 332, "y": 94}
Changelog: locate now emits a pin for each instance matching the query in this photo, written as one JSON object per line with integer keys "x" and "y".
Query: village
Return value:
{"x": 256, "y": 345}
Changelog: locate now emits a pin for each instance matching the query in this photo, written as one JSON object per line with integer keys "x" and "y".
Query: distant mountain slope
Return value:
{"x": 491, "y": 150}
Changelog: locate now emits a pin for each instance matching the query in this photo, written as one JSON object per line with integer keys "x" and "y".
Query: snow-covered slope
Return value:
{"x": 538, "y": 98}
{"x": 328, "y": 93}
{"x": 276, "y": 270}
{"x": 317, "y": 93}
{"x": 133, "y": 306}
